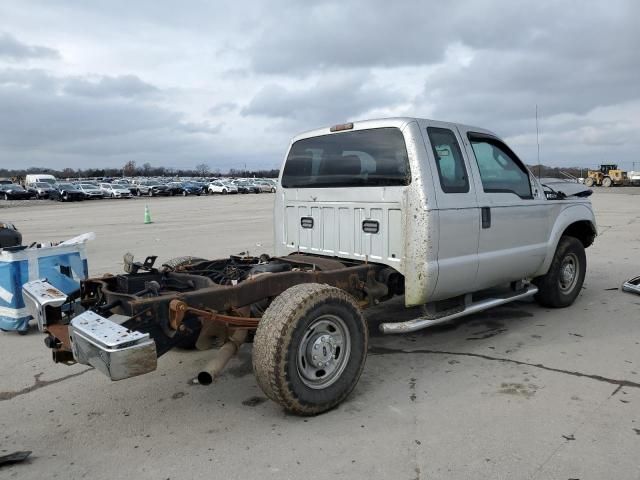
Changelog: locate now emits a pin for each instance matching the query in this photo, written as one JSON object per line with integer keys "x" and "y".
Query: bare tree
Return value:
{"x": 68, "y": 173}
{"x": 202, "y": 169}
{"x": 129, "y": 168}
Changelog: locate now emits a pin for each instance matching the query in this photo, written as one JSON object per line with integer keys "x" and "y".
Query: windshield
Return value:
{"x": 363, "y": 158}
{"x": 43, "y": 185}
{"x": 88, "y": 186}
{"x": 68, "y": 186}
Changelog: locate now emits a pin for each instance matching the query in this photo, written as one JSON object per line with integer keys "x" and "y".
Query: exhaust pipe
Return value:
{"x": 226, "y": 351}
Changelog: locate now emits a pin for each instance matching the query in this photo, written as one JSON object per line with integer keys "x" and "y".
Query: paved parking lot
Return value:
{"x": 518, "y": 392}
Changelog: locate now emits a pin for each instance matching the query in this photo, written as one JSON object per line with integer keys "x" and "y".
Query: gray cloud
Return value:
{"x": 329, "y": 100}
{"x": 42, "y": 120}
{"x": 13, "y": 49}
{"x": 232, "y": 82}
{"x": 104, "y": 87}
{"x": 223, "y": 107}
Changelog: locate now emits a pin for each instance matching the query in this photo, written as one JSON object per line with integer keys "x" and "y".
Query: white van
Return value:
{"x": 39, "y": 178}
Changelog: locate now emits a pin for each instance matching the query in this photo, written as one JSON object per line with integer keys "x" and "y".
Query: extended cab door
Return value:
{"x": 457, "y": 210}
{"x": 514, "y": 215}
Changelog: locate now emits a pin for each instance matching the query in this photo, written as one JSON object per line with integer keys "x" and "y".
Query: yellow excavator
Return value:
{"x": 607, "y": 176}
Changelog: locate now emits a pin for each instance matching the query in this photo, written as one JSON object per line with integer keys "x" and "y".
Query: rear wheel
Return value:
{"x": 310, "y": 348}
{"x": 607, "y": 182}
{"x": 562, "y": 283}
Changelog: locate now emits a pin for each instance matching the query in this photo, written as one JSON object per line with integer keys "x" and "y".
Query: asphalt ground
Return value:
{"x": 518, "y": 392}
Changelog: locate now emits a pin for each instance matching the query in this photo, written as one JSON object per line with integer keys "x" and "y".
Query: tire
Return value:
{"x": 184, "y": 193}
{"x": 589, "y": 182}
{"x": 65, "y": 197}
{"x": 302, "y": 316}
{"x": 607, "y": 182}
{"x": 150, "y": 193}
{"x": 558, "y": 288}
{"x": 6, "y": 197}
{"x": 224, "y": 192}
{"x": 273, "y": 190}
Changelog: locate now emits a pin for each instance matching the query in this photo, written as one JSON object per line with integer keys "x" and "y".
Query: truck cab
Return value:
{"x": 450, "y": 207}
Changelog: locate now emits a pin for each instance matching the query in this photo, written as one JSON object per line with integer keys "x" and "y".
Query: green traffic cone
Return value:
{"x": 147, "y": 215}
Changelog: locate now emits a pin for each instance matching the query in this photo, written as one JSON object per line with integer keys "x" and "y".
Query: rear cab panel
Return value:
{"x": 349, "y": 193}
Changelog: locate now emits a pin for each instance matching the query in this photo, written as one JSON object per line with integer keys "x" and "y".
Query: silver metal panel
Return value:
{"x": 345, "y": 227}
{"x": 38, "y": 295}
{"x": 111, "y": 348}
{"x": 337, "y": 230}
{"x": 329, "y": 239}
{"x": 394, "y": 232}
{"x": 106, "y": 333}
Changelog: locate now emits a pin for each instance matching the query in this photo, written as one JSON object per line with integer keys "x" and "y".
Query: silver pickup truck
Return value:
{"x": 444, "y": 214}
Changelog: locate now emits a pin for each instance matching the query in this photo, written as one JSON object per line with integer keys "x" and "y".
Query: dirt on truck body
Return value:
{"x": 444, "y": 214}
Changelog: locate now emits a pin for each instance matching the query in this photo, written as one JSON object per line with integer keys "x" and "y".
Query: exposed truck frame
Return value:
{"x": 338, "y": 251}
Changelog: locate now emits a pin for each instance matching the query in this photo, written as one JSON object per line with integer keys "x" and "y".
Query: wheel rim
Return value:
{"x": 324, "y": 352}
{"x": 569, "y": 270}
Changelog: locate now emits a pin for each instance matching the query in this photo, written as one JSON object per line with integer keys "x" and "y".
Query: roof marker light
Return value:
{"x": 341, "y": 126}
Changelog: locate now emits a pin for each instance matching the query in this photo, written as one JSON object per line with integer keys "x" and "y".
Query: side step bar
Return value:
{"x": 424, "y": 322}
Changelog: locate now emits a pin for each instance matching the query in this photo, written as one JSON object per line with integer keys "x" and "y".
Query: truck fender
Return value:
{"x": 570, "y": 215}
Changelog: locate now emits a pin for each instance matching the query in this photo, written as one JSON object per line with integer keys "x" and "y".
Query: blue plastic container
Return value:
{"x": 63, "y": 266}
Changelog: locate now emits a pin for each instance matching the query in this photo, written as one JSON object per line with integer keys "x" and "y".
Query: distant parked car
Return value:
{"x": 90, "y": 190}
{"x": 9, "y": 235}
{"x": 177, "y": 188}
{"x": 222, "y": 188}
{"x": 247, "y": 187}
{"x": 195, "y": 188}
{"x": 66, "y": 192}
{"x": 266, "y": 186}
{"x": 41, "y": 189}
{"x": 113, "y": 190}
{"x": 11, "y": 191}
{"x": 152, "y": 188}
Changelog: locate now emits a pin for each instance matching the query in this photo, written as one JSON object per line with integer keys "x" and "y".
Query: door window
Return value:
{"x": 449, "y": 160}
{"x": 500, "y": 170}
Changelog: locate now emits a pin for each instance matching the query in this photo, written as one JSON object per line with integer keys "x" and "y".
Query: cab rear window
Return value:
{"x": 362, "y": 158}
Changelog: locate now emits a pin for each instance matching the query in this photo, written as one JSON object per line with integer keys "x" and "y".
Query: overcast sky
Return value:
{"x": 176, "y": 83}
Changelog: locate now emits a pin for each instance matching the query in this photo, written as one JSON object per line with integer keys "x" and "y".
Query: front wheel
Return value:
{"x": 184, "y": 193}
{"x": 310, "y": 348}
{"x": 562, "y": 283}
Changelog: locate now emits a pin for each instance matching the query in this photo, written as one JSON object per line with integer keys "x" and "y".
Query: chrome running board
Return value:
{"x": 484, "y": 304}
